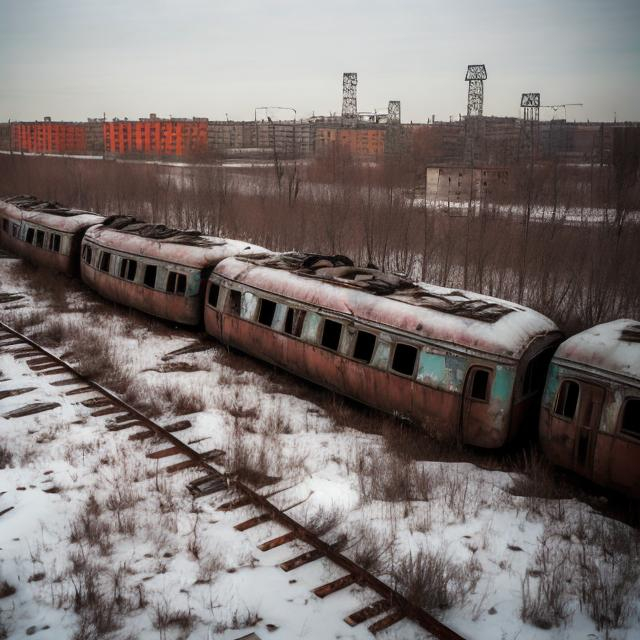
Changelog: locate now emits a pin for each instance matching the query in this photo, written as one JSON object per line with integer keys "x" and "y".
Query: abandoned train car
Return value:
{"x": 152, "y": 268}
{"x": 45, "y": 233}
{"x": 590, "y": 416}
{"x": 465, "y": 366}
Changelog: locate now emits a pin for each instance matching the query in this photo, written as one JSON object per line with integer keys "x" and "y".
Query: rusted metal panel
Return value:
{"x": 161, "y": 304}
{"x": 590, "y": 442}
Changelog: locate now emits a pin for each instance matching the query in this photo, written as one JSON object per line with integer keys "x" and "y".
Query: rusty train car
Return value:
{"x": 152, "y": 268}
{"x": 45, "y": 233}
{"x": 590, "y": 415}
{"x": 467, "y": 367}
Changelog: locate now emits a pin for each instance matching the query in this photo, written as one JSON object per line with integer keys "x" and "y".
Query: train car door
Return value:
{"x": 475, "y": 405}
{"x": 587, "y": 423}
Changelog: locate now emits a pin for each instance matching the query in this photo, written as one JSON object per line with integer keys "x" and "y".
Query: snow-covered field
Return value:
{"x": 101, "y": 536}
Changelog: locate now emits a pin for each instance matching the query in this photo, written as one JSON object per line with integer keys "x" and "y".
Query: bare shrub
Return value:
{"x": 324, "y": 520}
{"x": 546, "y": 605}
{"x": 164, "y": 616}
{"x": 6, "y": 457}
{"x": 6, "y": 589}
{"x": 183, "y": 401}
{"x": 432, "y": 580}
{"x": 373, "y": 550}
{"x": 387, "y": 476}
{"x": 89, "y": 527}
{"x": 209, "y": 564}
{"x": 238, "y": 620}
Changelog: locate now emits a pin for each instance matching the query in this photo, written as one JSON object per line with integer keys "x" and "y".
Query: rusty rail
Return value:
{"x": 362, "y": 577}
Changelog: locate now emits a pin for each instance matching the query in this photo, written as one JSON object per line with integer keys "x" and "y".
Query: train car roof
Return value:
{"x": 50, "y": 214}
{"x": 464, "y": 318}
{"x": 158, "y": 242}
{"x": 10, "y": 210}
{"x": 613, "y": 347}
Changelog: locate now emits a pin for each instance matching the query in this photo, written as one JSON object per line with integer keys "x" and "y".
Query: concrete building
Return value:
{"x": 457, "y": 186}
{"x": 156, "y": 137}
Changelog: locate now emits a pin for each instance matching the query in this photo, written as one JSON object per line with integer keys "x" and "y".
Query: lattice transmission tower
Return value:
{"x": 476, "y": 75}
{"x": 530, "y": 102}
{"x": 393, "y": 116}
{"x": 350, "y": 95}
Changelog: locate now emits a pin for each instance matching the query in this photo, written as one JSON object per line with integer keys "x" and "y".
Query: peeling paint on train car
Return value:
{"x": 442, "y": 371}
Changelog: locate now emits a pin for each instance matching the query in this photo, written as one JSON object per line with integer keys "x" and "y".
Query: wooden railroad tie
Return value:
{"x": 331, "y": 587}
{"x": 9, "y": 393}
{"x": 277, "y": 542}
{"x": 31, "y": 409}
{"x": 302, "y": 559}
{"x": 368, "y": 612}
{"x": 386, "y": 622}
{"x": 253, "y": 522}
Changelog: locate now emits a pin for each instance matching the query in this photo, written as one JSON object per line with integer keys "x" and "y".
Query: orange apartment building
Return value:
{"x": 49, "y": 137}
{"x": 156, "y": 137}
{"x": 360, "y": 142}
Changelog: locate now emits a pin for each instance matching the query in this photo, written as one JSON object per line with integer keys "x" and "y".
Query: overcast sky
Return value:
{"x": 71, "y": 59}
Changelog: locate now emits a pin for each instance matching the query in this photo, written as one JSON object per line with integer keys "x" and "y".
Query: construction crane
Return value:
{"x": 556, "y": 107}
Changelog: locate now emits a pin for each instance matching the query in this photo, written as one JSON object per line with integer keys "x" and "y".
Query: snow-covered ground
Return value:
{"x": 119, "y": 534}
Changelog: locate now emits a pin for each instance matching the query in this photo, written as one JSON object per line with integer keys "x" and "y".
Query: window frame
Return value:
{"x": 101, "y": 265}
{"x": 355, "y": 344}
{"x": 475, "y": 369}
{"x": 272, "y": 312}
{"x": 217, "y": 286}
{"x": 147, "y": 267}
{"x": 30, "y": 235}
{"x": 554, "y": 411}
{"x": 392, "y": 355}
{"x": 620, "y": 431}
{"x": 320, "y": 339}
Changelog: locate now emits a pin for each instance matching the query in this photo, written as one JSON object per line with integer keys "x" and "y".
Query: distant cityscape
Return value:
{"x": 472, "y": 139}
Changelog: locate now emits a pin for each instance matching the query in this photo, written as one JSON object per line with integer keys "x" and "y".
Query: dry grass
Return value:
{"x": 545, "y": 603}
{"x": 6, "y": 456}
{"x": 433, "y": 581}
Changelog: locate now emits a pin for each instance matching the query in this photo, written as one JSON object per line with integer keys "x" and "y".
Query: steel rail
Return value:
{"x": 363, "y": 577}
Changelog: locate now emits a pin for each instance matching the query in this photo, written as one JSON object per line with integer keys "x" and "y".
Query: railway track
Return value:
{"x": 391, "y": 605}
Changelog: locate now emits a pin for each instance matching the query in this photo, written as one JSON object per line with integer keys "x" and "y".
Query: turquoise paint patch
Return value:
{"x": 431, "y": 369}
{"x": 193, "y": 283}
{"x": 442, "y": 371}
{"x": 502, "y": 384}
{"x": 551, "y": 385}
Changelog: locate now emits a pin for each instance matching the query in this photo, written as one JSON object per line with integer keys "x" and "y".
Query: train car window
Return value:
{"x": 567, "y": 401}
{"x": 331, "y": 332}
{"x": 294, "y": 321}
{"x": 5, "y": 225}
{"x": 132, "y": 268}
{"x": 365, "y": 344}
{"x": 480, "y": 384}
{"x": 86, "y": 253}
{"x": 181, "y": 286}
{"x": 631, "y": 418}
{"x": 150, "y": 275}
{"x": 214, "y": 294}
{"x": 234, "y": 301}
{"x": 267, "y": 312}
{"x": 16, "y": 229}
{"x": 171, "y": 282}
{"x": 39, "y": 238}
{"x": 30, "y": 234}
{"x": 404, "y": 359}
{"x": 105, "y": 261}
{"x": 54, "y": 242}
